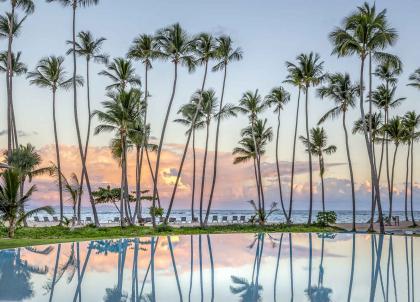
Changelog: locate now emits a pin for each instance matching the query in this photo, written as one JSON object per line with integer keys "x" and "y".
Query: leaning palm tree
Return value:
{"x": 397, "y": 133}
{"x": 317, "y": 145}
{"x": 91, "y": 49}
{"x": 11, "y": 203}
{"x": 176, "y": 46}
{"x": 18, "y": 68}
{"x": 50, "y": 73}
{"x": 73, "y": 188}
{"x": 121, "y": 73}
{"x": 343, "y": 93}
{"x": 310, "y": 68}
{"x": 362, "y": 32}
{"x": 411, "y": 122}
{"x": 278, "y": 98}
{"x": 144, "y": 49}
{"x": 204, "y": 51}
{"x": 225, "y": 54}
{"x": 28, "y": 7}
{"x": 121, "y": 112}
{"x": 74, "y": 4}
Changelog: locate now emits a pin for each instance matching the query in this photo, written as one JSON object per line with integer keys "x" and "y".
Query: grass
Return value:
{"x": 57, "y": 234}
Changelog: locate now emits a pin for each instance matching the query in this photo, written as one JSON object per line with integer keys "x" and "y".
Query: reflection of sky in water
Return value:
{"x": 243, "y": 267}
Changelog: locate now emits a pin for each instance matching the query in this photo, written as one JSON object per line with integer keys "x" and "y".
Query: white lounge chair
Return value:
{"x": 183, "y": 219}
{"x": 46, "y": 219}
{"x": 242, "y": 219}
{"x": 224, "y": 219}
{"x": 234, "y": 219}
{"x": 215, "y": 218}
{"x": 36, "y": 219}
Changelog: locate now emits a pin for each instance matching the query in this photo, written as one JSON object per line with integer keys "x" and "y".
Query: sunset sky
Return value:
{"x": 269, "y": 32}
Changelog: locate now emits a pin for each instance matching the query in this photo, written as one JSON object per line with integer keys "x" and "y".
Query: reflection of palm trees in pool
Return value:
{"x": 211, "y": 267}
{"x": 376, "y": 266}
{"x": 353, "y": 258}
{"x": 250, "y": 291}
{"x": 391, "y": 266}
{"x": 277, "y": 268}
{"x": 174, "y": 267}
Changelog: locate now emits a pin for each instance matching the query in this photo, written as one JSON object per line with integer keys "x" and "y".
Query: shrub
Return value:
{"x": 326, "y": 218}
{"x": 163, "y": 228}
{"x": 157, "y": 211}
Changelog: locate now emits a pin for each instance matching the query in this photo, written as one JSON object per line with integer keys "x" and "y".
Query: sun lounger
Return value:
{"x": 88, "y": 219}
{"x": 55, "y": 219}
{"x": 148, "y": 220}
{"x": 115, "y": 220}
{"x": 224, "y": 219}
{"x": 36, "y": 219}
{"x": 183, "y": 219}
{"x": 46, "y": 219}
{"x": 235, "y": 219}
{"x": 242, "y": 219}
{"x": 215, "y": 219}
{"x": 172, "y": 219}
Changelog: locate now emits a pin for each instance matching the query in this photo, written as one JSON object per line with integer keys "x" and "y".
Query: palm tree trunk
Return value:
{"x": 407, "y": 168}
{"x": 216, "y": 149}
{"x": 261, "y": 185}
{"x": 194, "y": 172}
{"x": 309, "y": 156}
{"x": 257, "y": 183}
{"x": 191, "y": 130}
{"x": 122, "y": 204}
{"x": 392, "y": 183}
{"x": 82, "y": 177}
{"x": 137, "y": 211}
{"x": 76, "y": 120}
{"x": 387, "y": 162}
{"x": 211, "y": 267}
{"x": 353, "y": 196}
{"x": 203, "y": 174}
{"x": 353, "y": 258}
{"x": 152, "y": 174}
{"x": 162, "y": 136}
{"x": 9, "y": 89}
{"x": 54, "y": 279}
{"x": 15, "y": 142}
{"x": 57, "y": 153}
{"x": 171, "y": 250}
{"x": 369, "y": 149}
{"x": 293, "y": 159}
{"x": 321, "y": 167}
{"x": 411, "y": 181}
{"x": 278, "y": 167}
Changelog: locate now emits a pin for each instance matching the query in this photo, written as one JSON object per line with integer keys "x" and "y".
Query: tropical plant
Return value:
{"x": 74, "y": 4}
{"x": 121, "y": 112}
{"x": 364, "y": 31}
{"x": 225, "y": 54}
{"x": 343, "y": 93}
{"x": 122, "y": 74}
{"x": 11, "y": 203}
{"x": 50, "y": 73}
{"x": 74, "y": 189}
{"x": 91, "y": 49}
{"x": 309, "y": 67}
{"x": 278, "y": 98}
{"x": 326, "y": 218}
{"x": 317, "y": 145}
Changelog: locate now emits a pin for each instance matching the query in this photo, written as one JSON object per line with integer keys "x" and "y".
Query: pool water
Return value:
{"x": 236, "y": 267}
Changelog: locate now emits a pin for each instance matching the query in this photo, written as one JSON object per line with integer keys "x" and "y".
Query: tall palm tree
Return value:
{"x": 121, "y": 72}
{"x": 294, "y": 78}
{"x": 50, "y": 73}
{"x": 317, "y": 145}
{"x": 411, "y": 122}
{"x": 278, "y": 98}
{"x": 73, "y": 188}
{"x": 252, "y": 105}
{"x": 11, "y": 202}
{"x": 121, "y": 112}
{"x": 310, "y": 68}
{"x": 176, "y": 46}
{"x": 187, "y": 112}
{"x": 362, "y": 32}
{"x": 144, "y": 49}
{"x": 225, "y": 54}
{"x": 74, "y": 4}
{"x": 18, "y": 68}
{"x": 204, "y": 51}
{"x": 28, "y": 7}
{"x": 343, "y": 93}
{"x": 91, "y": 49}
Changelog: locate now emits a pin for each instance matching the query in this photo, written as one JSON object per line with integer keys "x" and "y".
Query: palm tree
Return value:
{"x": 121, "y": 112}
{"x": 204, "y": 51}
{"x": 225, "y": 54}
{"x": 343, "y": 92}
{"x": 310, "y": 69}
{"x": 18, "y": 68}
{"x": 74, "y": 4}
{"x": 144, "y": 49}
{"x": 278, "y": 98}
{"x": 121, "y": 72}
{"x": 317, "y": 145}
{"x": 174, "y": 45}
{"x": 363, "y": 32}
{"x": 187, "y": 112}
{"x": 91, "y": 49}
{"x": 294, "y": 78}
{"x": 411, "y": 122}
{"x": 11, "y": 202}
{"x": 50, "y": 73}
{"x": 28, "y": 7}
{"x": 73, "y": 188}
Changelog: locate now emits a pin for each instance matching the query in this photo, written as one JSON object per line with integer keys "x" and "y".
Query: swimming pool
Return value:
{"x": 234, "y": 267}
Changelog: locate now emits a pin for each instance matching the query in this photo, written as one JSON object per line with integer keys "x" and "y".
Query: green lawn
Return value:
{"x": 48, "y": 235}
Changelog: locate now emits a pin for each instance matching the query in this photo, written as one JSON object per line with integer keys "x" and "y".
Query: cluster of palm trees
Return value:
{"x": 365, "y": 33}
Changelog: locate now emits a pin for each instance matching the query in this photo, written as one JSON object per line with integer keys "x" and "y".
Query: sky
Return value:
{"x": 269, "y": 33}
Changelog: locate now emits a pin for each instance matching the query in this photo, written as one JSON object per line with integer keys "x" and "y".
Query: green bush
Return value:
{"x": 326, "y": 218}
{"x": 157, "y": 211}
{"x": 161, "y": 228}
